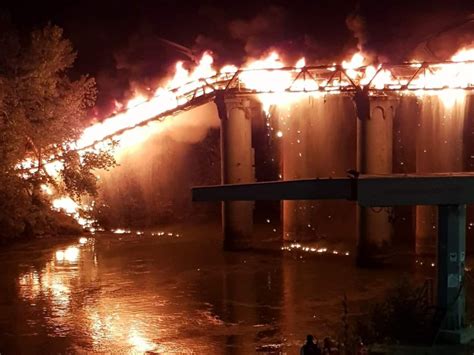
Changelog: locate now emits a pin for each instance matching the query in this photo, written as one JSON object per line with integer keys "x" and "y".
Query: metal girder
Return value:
{"x": 433, "y": 189}
{"x": 318, "y": 189}
{"x": 367, "y": 190}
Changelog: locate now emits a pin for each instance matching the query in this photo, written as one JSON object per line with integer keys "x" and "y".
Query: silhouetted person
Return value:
{"x": 310, "y": 348}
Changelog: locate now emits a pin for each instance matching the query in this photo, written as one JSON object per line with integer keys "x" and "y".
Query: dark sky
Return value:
{"x": 117, "y": 41}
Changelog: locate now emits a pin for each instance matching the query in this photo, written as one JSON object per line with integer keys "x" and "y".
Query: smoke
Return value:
{"x": 192, "y": 126}
{"x": 355, "y": 23}
{"x": 395, "y": 31}
{"x": 125, "y": 54}
{"x": 151, "y": 185}
{"x": 260, "y": 32}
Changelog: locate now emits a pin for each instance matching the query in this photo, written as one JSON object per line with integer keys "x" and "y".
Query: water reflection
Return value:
{"x": 70, "y": 255}
{"x": 154, "y": 292}
{"x": 59, "y": 285}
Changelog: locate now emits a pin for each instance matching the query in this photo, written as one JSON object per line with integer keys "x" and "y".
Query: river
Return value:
{"x": 175, "y": 291}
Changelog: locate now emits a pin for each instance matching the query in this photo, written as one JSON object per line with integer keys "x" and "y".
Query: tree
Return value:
{"x": 42, "y": 112}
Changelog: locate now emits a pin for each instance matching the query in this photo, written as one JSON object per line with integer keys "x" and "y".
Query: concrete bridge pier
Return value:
{"x": 374, "y": 156}
{"x": 439, "y": 149}
{"x": 451, "y": 263}
{"x": 237, "y": 167}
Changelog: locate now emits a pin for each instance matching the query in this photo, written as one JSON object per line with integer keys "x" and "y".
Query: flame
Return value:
{"x": 268, "y": 75}
{"x": 356, "y": 61}
{"x": 141, "y": 108}
{"x": 275, "y": 82}
{"x": 72, "y": 208}
{"x": 274, "y": 85}
{"x": 265, "y": 75}
{"x": 66, "y": 204}
{"x": 450, "y": 78}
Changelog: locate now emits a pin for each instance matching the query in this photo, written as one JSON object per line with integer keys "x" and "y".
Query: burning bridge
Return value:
{"x": 367, "y": 101}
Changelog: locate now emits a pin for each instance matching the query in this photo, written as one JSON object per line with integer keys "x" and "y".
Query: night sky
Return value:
{"x": 118, "y": 42}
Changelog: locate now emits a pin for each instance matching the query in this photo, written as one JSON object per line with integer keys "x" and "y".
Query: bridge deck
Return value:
{"x": 367, "y": 190}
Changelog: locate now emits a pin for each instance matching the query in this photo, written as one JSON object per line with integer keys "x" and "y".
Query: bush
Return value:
{"x": 405, "y": 316}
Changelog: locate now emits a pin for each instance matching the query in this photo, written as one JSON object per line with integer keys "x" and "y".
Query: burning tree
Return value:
{"x": 42, "y": 112}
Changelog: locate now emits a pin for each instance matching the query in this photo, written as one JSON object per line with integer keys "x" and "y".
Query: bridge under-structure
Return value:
{"x": 449, "y": 192}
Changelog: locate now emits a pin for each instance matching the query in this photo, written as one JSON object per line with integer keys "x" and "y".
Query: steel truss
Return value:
{"x": 320, "y": 79}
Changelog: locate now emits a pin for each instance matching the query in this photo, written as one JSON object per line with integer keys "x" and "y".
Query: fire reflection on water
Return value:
{"x": 108, "y": 323}
{"x": 155, "y": 293}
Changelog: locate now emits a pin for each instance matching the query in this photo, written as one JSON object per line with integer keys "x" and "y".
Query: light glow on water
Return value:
{"x": 70, "y": 254}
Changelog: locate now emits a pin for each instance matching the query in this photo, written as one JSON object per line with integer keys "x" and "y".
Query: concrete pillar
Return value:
{"x": 333, "y": 140}
{"x": 374, "y": 156}
{"x": 236, "y": 168}
{"x": 439, "y": 149}
{"x": 318, "y": 140}
{"x": 451, "y": 261}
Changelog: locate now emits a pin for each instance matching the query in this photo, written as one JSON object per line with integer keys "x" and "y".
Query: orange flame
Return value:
{"x": 275, "y": 83}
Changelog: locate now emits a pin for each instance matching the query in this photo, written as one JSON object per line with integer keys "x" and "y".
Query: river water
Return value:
{"x": 175, "y": 291}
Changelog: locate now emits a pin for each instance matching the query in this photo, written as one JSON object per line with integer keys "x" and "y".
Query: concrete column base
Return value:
{"x": 375, "y": 236}
{"x": 237, "y": 224}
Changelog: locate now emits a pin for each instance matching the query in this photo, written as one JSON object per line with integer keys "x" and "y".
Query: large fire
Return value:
{"x": 271, "y": 77}
{"x": 274, "y": 82}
